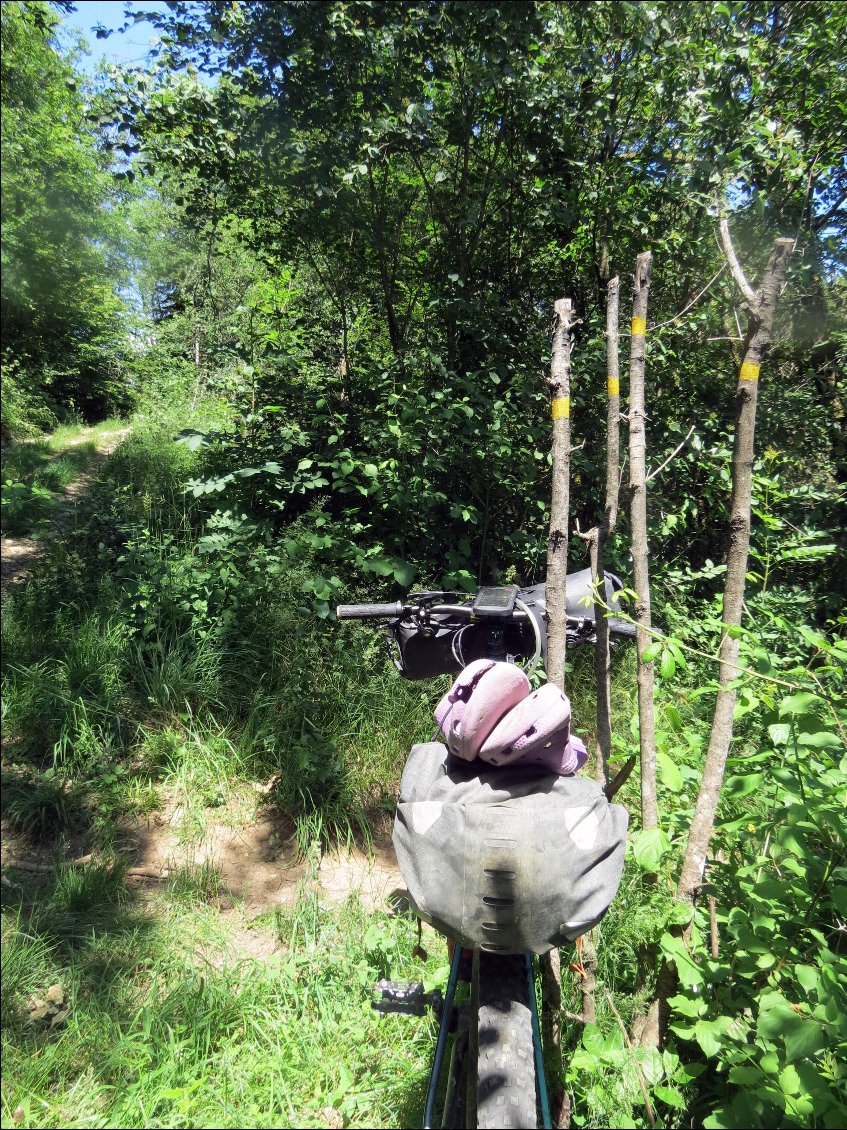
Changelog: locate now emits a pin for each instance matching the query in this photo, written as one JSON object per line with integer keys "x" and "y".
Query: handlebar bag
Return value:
{"x": 506, "y": 859}
{"x": 423, "y": 654}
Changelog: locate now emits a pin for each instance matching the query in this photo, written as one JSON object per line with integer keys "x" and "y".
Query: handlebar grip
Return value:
{"x": 367, "y": 611}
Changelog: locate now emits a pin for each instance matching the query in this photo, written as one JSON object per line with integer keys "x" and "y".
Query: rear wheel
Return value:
{"x": 503, "y": 1085}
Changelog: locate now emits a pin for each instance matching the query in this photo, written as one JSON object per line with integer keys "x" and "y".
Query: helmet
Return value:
{"x": 491, "y": 712}
{"x": 483, "y": 692}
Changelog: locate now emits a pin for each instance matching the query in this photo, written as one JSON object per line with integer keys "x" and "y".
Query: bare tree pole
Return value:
{"x": 761, "y": 306}
{"x": 557, "y": 547}
{"x": 640, "y": 551}
{"x": 597, "y": 544}
{"x": 557, "y": 568}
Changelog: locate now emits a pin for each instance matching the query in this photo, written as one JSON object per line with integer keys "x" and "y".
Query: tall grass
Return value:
{"x": 169, "y": 1026}
{"x": 121, "y": 634}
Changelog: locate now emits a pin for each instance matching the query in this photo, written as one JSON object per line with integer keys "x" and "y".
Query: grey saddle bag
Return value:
{"x": 505, "y": 859}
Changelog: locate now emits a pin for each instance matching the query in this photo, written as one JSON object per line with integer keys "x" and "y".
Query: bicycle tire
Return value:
{"x": 501, "y": 1041}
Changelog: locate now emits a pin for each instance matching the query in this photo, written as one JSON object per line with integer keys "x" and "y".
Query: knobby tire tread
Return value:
{"x": 505, "y": 1075}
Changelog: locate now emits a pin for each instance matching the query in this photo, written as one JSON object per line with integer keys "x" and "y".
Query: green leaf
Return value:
{"x": 669, "y": 774}
{"x": 671, "y": 1096}
{"x": 808, "y": 977}
{"x": 675, "y": 950}
{"x": 798, "y": 703}
{"x": 822, "y": 740}
{"x": 674, "y": 717}
{"x": 651, "y": 651}
{"x": 742, "y": 786}
{"x": 667, "y": 664}
{"x": 779, "y": 1023}
{"x": 745, "y": 1076}
{"x": 602, "y": 1047}
{"x": 648, "y": 847}
{"x": 780, "y": 732}
{"x": 709, "y": 1033}
{"x": 193, "y": 439}
{"x": 789, "y": 1080}
{"x": 769, "y": 1063}
{"x": 688, "y": 1006}
{"x": 404, "y": 574}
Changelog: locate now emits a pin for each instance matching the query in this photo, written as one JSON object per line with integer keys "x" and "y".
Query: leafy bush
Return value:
{"x": 25, "y": 507}
{"x": 24, "y": 407}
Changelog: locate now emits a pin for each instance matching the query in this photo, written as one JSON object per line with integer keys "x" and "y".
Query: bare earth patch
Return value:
{"x": 18, "y": 554}
{"x": 257, "y": 862}
{"x": 249, "y": 862}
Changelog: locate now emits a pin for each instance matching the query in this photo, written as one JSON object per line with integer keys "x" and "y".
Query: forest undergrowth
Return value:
{"x": 143, "y": 657}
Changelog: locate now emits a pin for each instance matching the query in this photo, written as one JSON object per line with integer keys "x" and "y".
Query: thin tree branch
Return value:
{"x": 651, "y": 1116}
{"x": 750, "y": 298}
{"x": 672, "y": 455}
{"x": 693, "y": 301}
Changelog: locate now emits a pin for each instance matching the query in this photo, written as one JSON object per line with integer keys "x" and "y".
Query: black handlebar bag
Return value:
{"x": 423, "y": 653}
{"x": 504, "y": 859}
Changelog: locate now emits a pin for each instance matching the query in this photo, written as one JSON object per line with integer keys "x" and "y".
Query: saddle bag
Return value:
{"x": 506, "y": 859}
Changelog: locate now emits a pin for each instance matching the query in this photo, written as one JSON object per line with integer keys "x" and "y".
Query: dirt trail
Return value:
{"x": 239, "y": 856}
{"x": 18, "y": 554}
{"x": 250, "y": 860}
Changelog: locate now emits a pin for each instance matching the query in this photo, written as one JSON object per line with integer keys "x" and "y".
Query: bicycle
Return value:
{"x": 496, "y": 1033}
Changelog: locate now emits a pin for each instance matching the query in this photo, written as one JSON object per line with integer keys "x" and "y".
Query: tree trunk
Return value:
{"x": 761, "y": 306}
{"x": 759, "y": 331}
{"x": 597, "y": 544}
{"x": 640, "y": 550}
{"x": 557, "y": 568}
{"x": 557, "y": 549}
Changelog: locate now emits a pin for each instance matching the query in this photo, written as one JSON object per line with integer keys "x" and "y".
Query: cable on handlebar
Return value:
{"x": 530, "y": 666}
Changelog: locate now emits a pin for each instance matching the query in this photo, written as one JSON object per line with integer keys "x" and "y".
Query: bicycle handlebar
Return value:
{"x": 380, "y": 611}
{"x": 368, "y": 611}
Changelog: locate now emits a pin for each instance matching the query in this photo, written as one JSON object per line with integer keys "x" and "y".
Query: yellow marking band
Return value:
{"x": 613, "y": 386}
{"x": 639, "y": 327}
{"x": 749, "y": 372}
{"x": 561, "y": 408}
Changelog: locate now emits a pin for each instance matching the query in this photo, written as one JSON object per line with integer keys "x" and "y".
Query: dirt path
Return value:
{"x": 243, "y": 857}
{"x": 245, "y": 851}
{"x": 18, "y": 554}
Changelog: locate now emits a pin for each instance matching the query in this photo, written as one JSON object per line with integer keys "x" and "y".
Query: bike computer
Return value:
{"x": 494, "y": 601}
